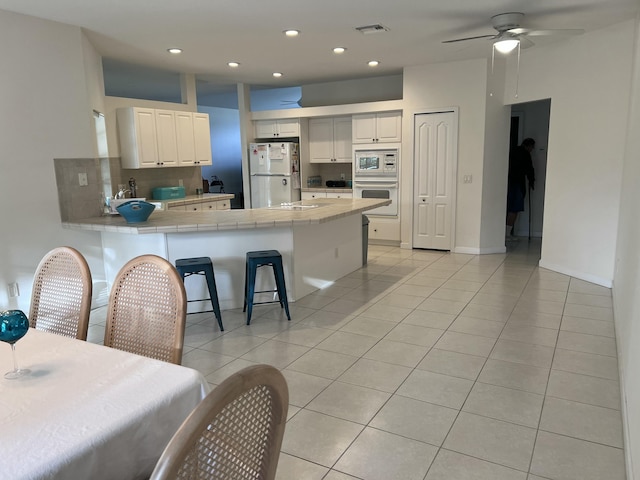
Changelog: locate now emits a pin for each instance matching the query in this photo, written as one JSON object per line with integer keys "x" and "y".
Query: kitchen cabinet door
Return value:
{"x": 388, "y": 127}
{"x": 288, "y": 128}
{"x": 138, "y": 142}
{"x": 312, "y": 195}
{"x": 339, "y": 195}
{"x": 202, "y": 138}
{"x": 277, "y": 128}
{"x": 330, "y": 140}
{"x": 185, "y": 134}
{"x": 383, "y": 230}
{"x": 167, "y": 138}
{"x": 223, "y": 205}
{"x": 194, "y": 138}
{"x": 342, "y": 140}
{"x": 321, "y": 140}
{"x": 381, "y": 127}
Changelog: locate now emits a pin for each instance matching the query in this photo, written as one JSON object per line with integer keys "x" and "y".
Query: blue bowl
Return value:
{"x": 135, "y": 211}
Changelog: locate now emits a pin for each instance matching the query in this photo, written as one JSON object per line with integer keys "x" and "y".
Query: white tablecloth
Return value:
{"x": 88, "y": 411}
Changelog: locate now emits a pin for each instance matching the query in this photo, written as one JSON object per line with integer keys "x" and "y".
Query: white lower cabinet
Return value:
{"x": 204, "y": 206}
{"x": 383, "y": 229}
{"x": 312, "y": 195}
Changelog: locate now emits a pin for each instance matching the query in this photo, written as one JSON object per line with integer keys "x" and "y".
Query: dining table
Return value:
{"x": 86, "y": 411}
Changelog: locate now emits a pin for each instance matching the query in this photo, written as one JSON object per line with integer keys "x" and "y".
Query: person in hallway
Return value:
{"x": 520, "y": 166}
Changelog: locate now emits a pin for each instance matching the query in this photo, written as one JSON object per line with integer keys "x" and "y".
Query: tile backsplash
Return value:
{"x": 103, "y": 177}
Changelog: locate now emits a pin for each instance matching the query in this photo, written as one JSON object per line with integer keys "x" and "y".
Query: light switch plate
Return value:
{"x": 82, "y": 179}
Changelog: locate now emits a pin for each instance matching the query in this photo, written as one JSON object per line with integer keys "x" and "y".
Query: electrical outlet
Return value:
{"x": 467, "y": 179}
{"x": 180, "y": 183}
{"x": 13, "y": 289}
{"x": 82, "y": 179}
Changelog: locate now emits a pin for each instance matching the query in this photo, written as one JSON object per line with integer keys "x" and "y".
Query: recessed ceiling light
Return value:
{"x": 233, "y": 64}
{"x": 373, "y": 63}
{"x": 291, "y": 33}
{"x": 277, "y": 74}
{"x": 175, "y": 51}
{"x": 339, "y": 50}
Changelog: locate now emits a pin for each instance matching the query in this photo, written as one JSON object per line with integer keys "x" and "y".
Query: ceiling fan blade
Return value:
{"x": 540, "y": 33}
{"x": 525, "y": 42}
{"x": 468, "y": 38}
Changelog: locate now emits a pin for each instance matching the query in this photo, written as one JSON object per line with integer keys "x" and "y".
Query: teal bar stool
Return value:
{"x": 202, "y": 266}
{"x": 256, "y": 260}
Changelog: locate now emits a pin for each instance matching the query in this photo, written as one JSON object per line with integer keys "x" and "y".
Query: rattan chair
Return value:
{"x": 147, "y": 309}
{"x": 61, "y": 294}
{"x": 234, "y": 433}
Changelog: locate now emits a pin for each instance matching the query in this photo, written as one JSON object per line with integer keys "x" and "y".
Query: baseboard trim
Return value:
{"x": 603, "y": 282}
{"x": 480, "y": 251}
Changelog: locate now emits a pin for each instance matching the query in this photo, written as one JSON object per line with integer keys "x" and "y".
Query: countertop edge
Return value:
{"x": 178, "y": 222}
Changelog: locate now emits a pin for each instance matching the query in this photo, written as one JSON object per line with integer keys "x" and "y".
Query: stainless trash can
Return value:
{"x": 365, "y": 238}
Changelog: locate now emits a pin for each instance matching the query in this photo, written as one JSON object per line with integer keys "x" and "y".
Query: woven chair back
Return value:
{"x": 61, "y": 294}
{"x": 147, "y": 310}
{"x": 234, "y": 433}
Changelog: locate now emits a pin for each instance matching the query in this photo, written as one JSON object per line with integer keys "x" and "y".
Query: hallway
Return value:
{"x": 436, "y": 366}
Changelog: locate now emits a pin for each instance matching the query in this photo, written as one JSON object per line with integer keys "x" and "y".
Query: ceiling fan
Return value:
{"x": 511, "y": 34}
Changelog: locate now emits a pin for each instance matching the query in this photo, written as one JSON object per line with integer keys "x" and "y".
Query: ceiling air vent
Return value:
{"x": 369, "y": 29}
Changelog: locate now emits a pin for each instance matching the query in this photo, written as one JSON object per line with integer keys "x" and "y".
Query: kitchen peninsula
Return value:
{"x": 320, "y": 242}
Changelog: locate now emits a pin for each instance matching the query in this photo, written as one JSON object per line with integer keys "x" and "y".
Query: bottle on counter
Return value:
{"x": 132, "y": 187}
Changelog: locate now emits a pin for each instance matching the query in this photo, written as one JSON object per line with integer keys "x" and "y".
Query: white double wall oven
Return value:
{"x": 375, "y": 175}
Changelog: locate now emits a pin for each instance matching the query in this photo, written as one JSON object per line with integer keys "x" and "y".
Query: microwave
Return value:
{"x": 382, "y": 163}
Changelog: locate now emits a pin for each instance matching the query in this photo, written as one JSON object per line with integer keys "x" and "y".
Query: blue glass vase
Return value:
{"x": 14, "y": 325}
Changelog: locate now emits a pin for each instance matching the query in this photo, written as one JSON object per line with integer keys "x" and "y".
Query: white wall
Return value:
{"x": 496, "y": 162}
{"x": 227, "y": 150}
{"x": 587, "y": 79}
{"x": 45, "y": 113}
{"x": 626, "y": 287}
{"x": 463, "y": 85}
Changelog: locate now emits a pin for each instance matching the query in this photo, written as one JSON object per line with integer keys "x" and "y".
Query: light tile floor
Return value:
{"x": 435, "y": 366}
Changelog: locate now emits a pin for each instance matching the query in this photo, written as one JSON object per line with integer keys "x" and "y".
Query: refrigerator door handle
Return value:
{"x": 269, "y": 175}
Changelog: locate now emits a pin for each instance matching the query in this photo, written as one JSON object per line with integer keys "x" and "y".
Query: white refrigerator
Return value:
{"x": 274, "y": 169}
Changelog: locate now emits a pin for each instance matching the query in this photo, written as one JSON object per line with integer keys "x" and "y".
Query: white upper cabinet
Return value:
{"x": 202, "y": 138}
{"x": 289, "y": 127}
{"x": 194, "y": 138}
{"x": 185, "y": 134}
{"x": 152, "y": 138}
{"x": 330, "y": 140}
{"x": 166, "y": 138}
{"x": 377, "y": 127}
{"x": 138, "y": 139}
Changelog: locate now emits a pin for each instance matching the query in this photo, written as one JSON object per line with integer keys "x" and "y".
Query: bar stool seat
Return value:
{"x": 258, "y": 259}
{"x": 202, "y": 266}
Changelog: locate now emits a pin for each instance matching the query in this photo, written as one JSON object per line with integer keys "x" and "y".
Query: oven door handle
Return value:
{"x": 376, "y": 184}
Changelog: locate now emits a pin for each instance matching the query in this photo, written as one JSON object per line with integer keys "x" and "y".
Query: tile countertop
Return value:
{"x": 173, "y": 222}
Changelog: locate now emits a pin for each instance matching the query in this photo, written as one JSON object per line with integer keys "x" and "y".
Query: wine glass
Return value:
{"x": 14, "y": 325}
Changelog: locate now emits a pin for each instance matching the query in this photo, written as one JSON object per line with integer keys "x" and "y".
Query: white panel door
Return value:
{"x": 435, "y": 162}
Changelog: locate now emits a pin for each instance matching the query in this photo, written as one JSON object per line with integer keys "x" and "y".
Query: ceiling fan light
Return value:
{"x": 507, "y": 45}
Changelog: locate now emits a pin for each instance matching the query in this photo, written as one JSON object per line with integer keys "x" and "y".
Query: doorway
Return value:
{"x": 434, "y": 190}
{"x": 531, "y": 120}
